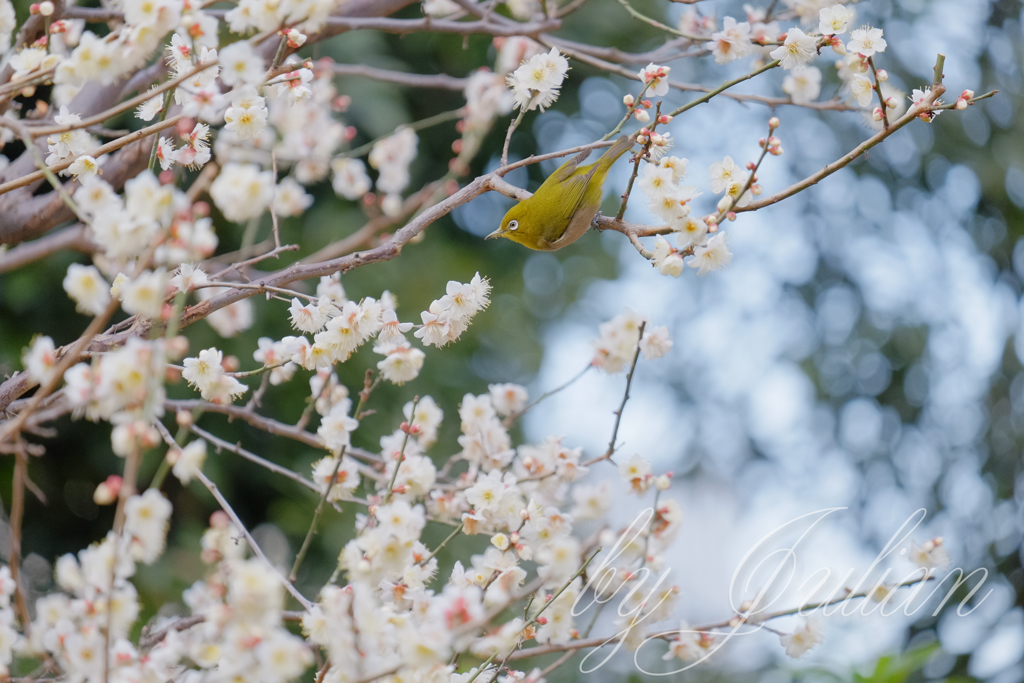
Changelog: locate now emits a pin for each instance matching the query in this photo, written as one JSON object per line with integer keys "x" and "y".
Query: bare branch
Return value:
{"x": 75, "y": 238}
{"x": 440, "y": 81}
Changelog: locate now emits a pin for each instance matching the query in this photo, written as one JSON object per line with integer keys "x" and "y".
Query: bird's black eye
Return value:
{"x": 513, "y": 225}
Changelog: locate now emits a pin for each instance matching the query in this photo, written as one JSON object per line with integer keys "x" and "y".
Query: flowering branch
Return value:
{"x": 849, "y": 157}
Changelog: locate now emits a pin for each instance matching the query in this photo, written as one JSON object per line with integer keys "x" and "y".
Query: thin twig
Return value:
{"x": 877, "y": 87}
{"x": 252, "y": 543}
{"x": 221, "y": 444}
{"x": 625, "y": 397}
{"x": 730, "y": 623}
{"x": 17, "y": 518}
{"x": 508, "y": 136}
{"x": 455, "y": 532}
{"x": 440, "y": 81}
{"x": 422, "y": 124}
{"x": 547, "y": 394}
{"x": 316, "y": 518}
{"x": 401, "y": 453}
{"x": 273, "y": 211}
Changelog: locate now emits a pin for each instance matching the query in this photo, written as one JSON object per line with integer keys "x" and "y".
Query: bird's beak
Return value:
{"x": 496, "y": 233}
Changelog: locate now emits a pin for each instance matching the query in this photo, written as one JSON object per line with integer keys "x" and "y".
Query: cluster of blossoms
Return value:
{"x": 796, "y": 48}
{"x": 670, "y": 200}
{"x": 391, "y": 610}
{"x": 98, "y": 605}
{"x": 620, "y": 339}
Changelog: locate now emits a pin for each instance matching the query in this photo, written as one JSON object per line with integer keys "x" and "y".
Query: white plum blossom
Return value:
{"x": 401, "y": 364}
{"x": 87, "y": 287}
{"x": 240, "y": 65}
{"x": 834, "y": 20}
{"x": 290, "y": 199}
{"x": 189, "y": 460}
{"x": 656, "y": 342}
{"x": 246, "y": 118}
{"x": 617, "y": 343}
{"x": 715, "y": 255}
{"x": 798, "y": 49}
{"x": 507, "y": 399}
{"x": 145, "y": 294}
{"x": 804, "y": 638}
{"x": 803, "y": 84}
{"x": 242, "y": 191}
{"x": 862, "y": 89}
{"x": 349, "y": 178}
{"x": 70, "y": 143}
{"x": 391, "y": 157}
{"x": 40, "y": 359}
{"x": 866, "y": 41}
{"x": 656, "y": 79}
{"x": 732, "y": 42}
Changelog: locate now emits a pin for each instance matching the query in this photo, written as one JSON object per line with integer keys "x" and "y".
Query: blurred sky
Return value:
{"x": 778, "y": 398}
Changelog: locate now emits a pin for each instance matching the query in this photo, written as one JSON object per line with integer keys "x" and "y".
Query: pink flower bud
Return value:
{"x": 751, "y": 165}
{"x": 33, "y": 8}
{"x": 891, "y": 102}
{"x": 876, "y": 115}
{"x": 641, "y": 139}
{"x": 961, "y": 104}
{"x": 774, "y": 141}
{"x": 628, "y": 100}
{"x": 108, "y": 491}
{"x": 646, "y": 104}
{"x": 756, "y": 190}
{"x": 967, "y": 95}
{"x": 296, "y": 39}
{"x": 664, "y": 119}
{"x": 642, "y": 116}
{"x": 774, "y": 123}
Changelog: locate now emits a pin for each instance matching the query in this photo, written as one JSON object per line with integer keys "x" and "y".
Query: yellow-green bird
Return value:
{"x": 562, "y": 208}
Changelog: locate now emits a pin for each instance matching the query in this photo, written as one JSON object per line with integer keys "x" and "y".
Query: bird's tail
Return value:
{"x": 621, "y": 146}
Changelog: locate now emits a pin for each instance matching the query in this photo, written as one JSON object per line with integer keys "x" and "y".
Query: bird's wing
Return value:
{"x": 568, "y": 168}
{"x": 573, "y": 190}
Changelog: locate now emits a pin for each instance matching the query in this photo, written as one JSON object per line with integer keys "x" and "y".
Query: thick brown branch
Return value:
{"x": 442, "y": 81}
{"x": 74, "y": 237}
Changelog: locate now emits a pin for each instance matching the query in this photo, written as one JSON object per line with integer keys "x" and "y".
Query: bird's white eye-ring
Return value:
{"x": 513, "y": 225}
